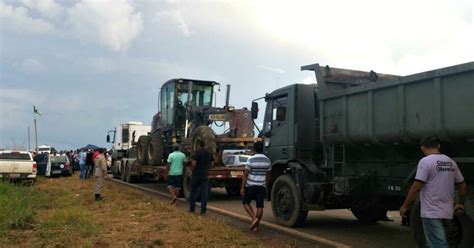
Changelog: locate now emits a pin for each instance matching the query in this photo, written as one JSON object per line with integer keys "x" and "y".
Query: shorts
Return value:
{"x": 256, "y": 193}
{"x": 175, "y": 181}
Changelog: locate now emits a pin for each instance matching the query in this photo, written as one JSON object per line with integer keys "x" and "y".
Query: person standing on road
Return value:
{"x": 435, "y": 178}
{"x": 100, "y": 173}
{"x": 82, "y": 164}
{"x": 175, "y": 172}
{"x": 201, "y": 162}
{"x": 254, "y": 184}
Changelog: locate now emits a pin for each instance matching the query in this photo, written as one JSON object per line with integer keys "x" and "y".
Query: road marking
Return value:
{"x": 278, "y": 228}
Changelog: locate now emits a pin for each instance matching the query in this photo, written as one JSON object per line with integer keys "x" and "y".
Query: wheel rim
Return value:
{"x": 284, "y": 202}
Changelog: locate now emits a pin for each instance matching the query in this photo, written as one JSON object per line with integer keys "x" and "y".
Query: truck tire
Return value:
{"x": 287, "y": 205}
{"x": 368, "y": 212}
{"x": 155, "y": 149}
{"x": 232, "y": 188}
{"x": 207, "y": 134}
{"x": 128, "y": 174}
{"x": 460, "y": 231}
{"x": 187, "y": 189}
{"x": 123, "y": 171}
{"x": 142, "y": 152}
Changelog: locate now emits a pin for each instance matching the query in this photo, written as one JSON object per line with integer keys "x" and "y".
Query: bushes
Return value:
{"x": 16, "y": 207}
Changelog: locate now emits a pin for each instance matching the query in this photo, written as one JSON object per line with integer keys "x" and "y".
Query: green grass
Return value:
{"x": 16, "y": 207}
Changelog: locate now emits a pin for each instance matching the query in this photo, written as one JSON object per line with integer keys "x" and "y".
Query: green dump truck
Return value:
{"x": 351, "y": 140}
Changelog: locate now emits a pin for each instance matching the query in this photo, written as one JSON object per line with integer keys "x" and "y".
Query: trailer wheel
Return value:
{"x": 460, "y": 231}
{"x": 187, "y": 189}
{"x": 207, "y": 134}
{"x": 368, "y": 212}
{"x": 142, "y": 153}
{"x": 155, "y": 149}
{"x": 287, "y": 205}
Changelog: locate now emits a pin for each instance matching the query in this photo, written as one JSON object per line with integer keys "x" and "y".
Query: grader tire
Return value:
{"x": 142, "y": 152}
{"x": 207, "y": 134}
{"x": 155, "y": 149}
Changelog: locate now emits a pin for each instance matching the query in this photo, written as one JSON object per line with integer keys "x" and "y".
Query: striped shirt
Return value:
{"x": 257, "y": 165}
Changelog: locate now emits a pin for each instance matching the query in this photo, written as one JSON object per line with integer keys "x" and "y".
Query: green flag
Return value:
{"x": 36, "y": 111}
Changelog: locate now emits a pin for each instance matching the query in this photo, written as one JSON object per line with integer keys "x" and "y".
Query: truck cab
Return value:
{"x": 124, "y": 136}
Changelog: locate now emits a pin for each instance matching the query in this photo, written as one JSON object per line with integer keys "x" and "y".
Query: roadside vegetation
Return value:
{"x": 61, "y": 212}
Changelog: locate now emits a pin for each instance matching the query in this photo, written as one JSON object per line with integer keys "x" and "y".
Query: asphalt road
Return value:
{"x": 337, "y": 225}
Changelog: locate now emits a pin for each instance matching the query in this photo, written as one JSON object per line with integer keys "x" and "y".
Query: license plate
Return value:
{"x": 14, "y": 175}
{"x": 236, "y": 173}
{"x": 56, "y": 172}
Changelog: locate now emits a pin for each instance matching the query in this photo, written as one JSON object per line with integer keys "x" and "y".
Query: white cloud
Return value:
{"x": 309, "y": 80}
{"x": 17, "y": 19}
{"x": 114, "y": 23}
{"x": 271, "y": 69}
{"x": 29, "y": 65}
{"x": 47, "y": 8}
{"x": 175, "y": 16}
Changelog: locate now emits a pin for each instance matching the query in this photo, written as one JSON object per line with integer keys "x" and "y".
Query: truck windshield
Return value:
{"x": 15, "y": 156}
{"x": 202, "y": 95}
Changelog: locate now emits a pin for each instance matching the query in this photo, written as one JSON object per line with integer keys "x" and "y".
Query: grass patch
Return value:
{"x": 62, "y": 212}
{"x": 16, "y": 207}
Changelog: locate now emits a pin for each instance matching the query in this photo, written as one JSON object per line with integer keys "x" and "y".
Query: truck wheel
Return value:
{"x": 207, "y": 134}
{"x": 115, "y": 170}
{"x": 123, "y": 172}
{"x": 187, "y": 187}
{"x": 460, "y": 231}
{"x": 128, "y": 174}
{"x": 155, "y": 149}
{"x": 142, "y": 153}
{"x": 368, "y": 212}
{"x": 287, "y": 206}
{"x": 232, "y": 188}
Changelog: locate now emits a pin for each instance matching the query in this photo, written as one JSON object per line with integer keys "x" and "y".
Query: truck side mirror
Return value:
{"x": 254, "y": 110}
{"x": 281, "y": 113}
{"x": 108, "y": 138}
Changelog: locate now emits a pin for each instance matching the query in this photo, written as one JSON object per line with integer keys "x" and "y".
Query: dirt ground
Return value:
{"x": 66, "y": 215}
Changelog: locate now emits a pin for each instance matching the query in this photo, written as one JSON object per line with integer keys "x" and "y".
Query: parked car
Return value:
{"x": 59, "y": 165}
{"x": 235, "y": 160}
{"x": 42, "y": 161}
{"x": 17, "y": 165}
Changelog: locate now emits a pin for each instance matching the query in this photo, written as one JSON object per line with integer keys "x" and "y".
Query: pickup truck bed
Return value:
{"x": 17, "y": 165}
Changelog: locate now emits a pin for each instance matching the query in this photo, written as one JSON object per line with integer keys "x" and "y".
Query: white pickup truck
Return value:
{"x": 17, "y": 165}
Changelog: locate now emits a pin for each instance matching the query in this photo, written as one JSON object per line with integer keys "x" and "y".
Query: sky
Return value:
{"x": 89, "y": 65}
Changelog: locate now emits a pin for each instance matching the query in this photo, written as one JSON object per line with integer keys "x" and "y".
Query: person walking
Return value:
{"x": 436, "y": 176}
{"x": 175, "y": 172}
{"x": 201, "y": 162}
{"x": 100, "y": 174}
{"x": 82, "y": 164}
{"x": 254, "y": 184}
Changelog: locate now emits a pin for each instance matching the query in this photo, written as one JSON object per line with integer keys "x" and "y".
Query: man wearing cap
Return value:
{"x": 175, "y": 172}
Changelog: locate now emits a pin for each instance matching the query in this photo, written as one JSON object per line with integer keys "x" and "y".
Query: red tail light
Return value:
{"x": 66, "y": 165}
{"x": 34, "y": 167}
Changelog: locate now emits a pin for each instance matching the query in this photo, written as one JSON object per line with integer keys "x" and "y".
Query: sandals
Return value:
{"x": 254, "y": 224}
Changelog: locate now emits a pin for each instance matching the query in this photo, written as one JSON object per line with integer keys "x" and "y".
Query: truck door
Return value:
{"x": 275, "y": 128}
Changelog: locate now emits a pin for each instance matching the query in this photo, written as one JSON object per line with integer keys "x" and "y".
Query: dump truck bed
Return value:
{"x": 366, "y": 107}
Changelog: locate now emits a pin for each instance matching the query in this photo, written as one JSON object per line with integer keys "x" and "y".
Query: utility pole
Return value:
{"x": 36, "y": 136}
